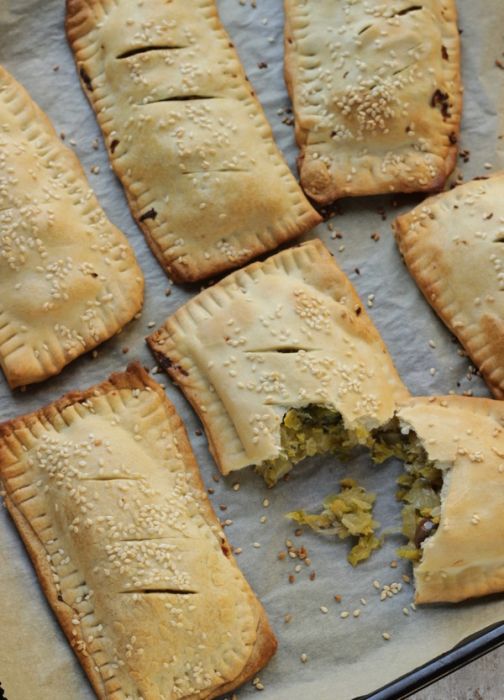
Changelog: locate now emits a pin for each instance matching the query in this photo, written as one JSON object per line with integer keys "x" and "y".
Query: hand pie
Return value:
{"x": 280, "y": 361}
{"x": 185, "y": 133}
{"x": 376, "y": 93}
{"x": 453, "y": 245}
{"x": 68, "y": 278}
{"x": 106, "y": 494}
{"x": 454, "y": 447}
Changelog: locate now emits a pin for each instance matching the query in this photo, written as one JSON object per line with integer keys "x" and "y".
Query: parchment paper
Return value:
{"x": 345, "y": 657}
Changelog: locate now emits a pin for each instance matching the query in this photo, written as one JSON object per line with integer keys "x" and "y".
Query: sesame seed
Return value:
{"x": 344, "y": 615}
{"x": 324, "y": 610}
{"x": 386, "y": 636}
{"x": 304, "y": 658}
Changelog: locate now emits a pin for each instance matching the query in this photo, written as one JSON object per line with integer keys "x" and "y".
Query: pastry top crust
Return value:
{"x": 185, "y": 133}
{"x": 464, "y": 558}
{"x": 453, "y": 245}
{"x": 376, "y": 94}
{"x": 107, "y": 496}
{"x": 287, "y": 332}
{"x": 68, "y": 278}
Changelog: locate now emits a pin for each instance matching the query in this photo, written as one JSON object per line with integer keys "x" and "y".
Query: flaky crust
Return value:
{"x": 190, "y": 144}
{"x": 86, "y": 568}
{"x": 68, "y": 277}
{"x": 376, "y": 94}
{"x": 464, "y": 558}
{"x": 453, "y": 245}
{"x": 287, "y": 332}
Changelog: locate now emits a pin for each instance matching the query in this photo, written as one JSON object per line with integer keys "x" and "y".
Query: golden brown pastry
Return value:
{"x": 453, "y": 245}
{"x": 376, "y": 93}
{"x": 68, "y": 277}
{"x": 185, "y": 133}
{"x": 106, "y": 494}
{"x": 464, "y": 438}
{"x": 287, "y": 333}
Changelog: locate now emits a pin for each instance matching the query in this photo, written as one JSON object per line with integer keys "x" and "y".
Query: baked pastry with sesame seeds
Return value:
{"x": 376, "y": 93}
{"x": 453, "y": 245}
{"x": 280, "y": 361}
{"x": 68, "y": 277}
{"x": 185, "y": 133}
{"x": 453, "y": 447}
{"x": 107, "y": 497}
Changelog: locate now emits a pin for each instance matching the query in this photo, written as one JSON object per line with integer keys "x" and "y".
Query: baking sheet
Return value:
{"x": 345, "y": 657}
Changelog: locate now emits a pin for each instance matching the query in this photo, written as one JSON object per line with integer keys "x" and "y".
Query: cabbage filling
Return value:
{"x": 317, "y": 430}
{"x": 419, "y": 487}
{"x": 306, "y": 432}
{"x": 348, "y": 513}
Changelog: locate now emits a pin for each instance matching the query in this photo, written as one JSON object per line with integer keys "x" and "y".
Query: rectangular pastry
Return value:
{"x": 107, "y": 497}
{"x": 376, "y": 93}
{"x": 454, "y": 449}
{"x": 280, "y": 360}
{"x": 185, "y": 133}
{"x": 453, "y": 245}
{"x": 68, "y": 277}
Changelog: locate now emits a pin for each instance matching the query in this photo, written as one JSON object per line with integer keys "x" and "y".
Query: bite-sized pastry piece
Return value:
{"x": 68, "y": 277}
{"x": 376, "y": 93}
{"x": 186, "y": 134}
{"x": 107, "y": 496}
{"x": 280, "y": 361}
{"x": 454, "y": 493}
{"x": 453, "y": 245}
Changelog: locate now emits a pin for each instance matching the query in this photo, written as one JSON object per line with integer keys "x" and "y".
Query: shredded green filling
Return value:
{"x": 306, "y": 432}
{"x": 348, "y": 513}
{"x": 419, "y": 487}
{"x": 315, "y": 430}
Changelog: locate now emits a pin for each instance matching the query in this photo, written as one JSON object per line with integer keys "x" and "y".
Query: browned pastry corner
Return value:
{"x": 376, "y": 95}
{"x": 68, "y": 277}
{"x": 107, "y": 497}
{"x": 453, "y": 245}
{"x": 285, "y": 333}
{"x": 185, "y": 133}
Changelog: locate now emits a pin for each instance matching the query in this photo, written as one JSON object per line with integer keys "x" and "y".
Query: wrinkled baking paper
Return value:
{"x": 345, "y": 657}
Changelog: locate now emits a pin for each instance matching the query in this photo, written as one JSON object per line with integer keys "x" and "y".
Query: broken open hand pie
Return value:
{"x": 277, "y": 349}
{"x": 106, "y": 494}
{"x": 453, "y": 245}
{"x": 68, "y": 277}
{"x": 454, "y": 494}
{"x": 376, "y": 93}
{"x": 185, "y": 133}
